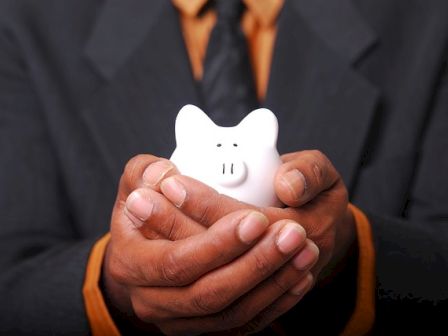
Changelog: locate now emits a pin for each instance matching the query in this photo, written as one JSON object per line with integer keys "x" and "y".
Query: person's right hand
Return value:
{"x": 235, "y": 274}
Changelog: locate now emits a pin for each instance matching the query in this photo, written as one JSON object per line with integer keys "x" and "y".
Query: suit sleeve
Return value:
{"x": 42, "y": 256}
{"x": 412, "y": 252}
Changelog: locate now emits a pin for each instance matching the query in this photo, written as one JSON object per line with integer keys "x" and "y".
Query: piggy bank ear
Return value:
{"x": 260, "y": 126}
{"x": 192, "y": 125}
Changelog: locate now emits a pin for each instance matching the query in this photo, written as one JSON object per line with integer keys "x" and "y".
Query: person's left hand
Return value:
{"x": 307, "y": 183}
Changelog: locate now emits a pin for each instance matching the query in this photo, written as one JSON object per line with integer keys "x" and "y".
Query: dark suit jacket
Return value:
{"x": 86, "y": 84}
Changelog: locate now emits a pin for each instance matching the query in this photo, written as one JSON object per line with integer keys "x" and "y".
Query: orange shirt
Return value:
{"x": 257, "y": 23}
{"x": 259, "y": 26}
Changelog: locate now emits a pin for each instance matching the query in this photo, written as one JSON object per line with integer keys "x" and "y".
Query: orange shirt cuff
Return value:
{"x": 100, "y": 321}
{"x": 363, "y": 317}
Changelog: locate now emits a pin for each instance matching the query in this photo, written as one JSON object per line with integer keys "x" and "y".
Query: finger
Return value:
{"x": 143, "y": 165}
{"x": 157, "y": 171}
{"x": 158, "y": 218}
{"x": 307, "y": 257}
{"x": 143, "y": 262}
{"x": 318, "y": 223}
{"x": 288, "y": 156}
{"x": 304, "y": 176}
{"x": 279, "y": 307}
{"x": 223, "y": 286}
{"x": 199, "y": 201}
{"x": 289, "y": 278}
{"x": 243, "y": 318}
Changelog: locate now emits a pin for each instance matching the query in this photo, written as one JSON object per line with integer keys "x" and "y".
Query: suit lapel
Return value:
{"x": 320, "y": 100}
{"x": 137, "y": 48}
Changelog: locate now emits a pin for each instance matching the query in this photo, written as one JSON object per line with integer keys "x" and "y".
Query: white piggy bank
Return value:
{"x": 239, "y": 161}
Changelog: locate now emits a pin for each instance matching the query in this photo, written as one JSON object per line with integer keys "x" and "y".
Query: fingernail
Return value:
{"x": 139, "y": 206}
{"x": 252, "y": 226}
{"x": 307, "y": 257}
{"x": 174, "y": 191}
{"x": 295, "y": 181}
{"x": 303, "y": 285}
{"x": 290, "y": 237}
{"x": 156, "y": 171}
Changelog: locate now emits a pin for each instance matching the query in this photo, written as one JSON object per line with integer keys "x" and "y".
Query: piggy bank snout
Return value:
{"x": 230, "y": 172}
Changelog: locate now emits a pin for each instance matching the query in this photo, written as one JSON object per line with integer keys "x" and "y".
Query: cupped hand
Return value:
{"x": 312, "y": 190}
{"x": 190, "y": 279}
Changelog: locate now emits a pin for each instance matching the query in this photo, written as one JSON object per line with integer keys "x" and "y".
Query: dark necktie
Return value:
{"x": 227, "y": 85}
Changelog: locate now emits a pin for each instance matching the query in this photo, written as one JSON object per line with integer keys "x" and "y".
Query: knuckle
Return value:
{"x": 142, "y": 314}
{"x": 206, "y": 211}
{"x": 342, "y": 195}
{"x": 209, "y": 301}
{"x": 118, "y": 270}
{"x": 169, "y": 225}
{"x": 319, "y": 164}
{"x": 260, "y": 321}
{"x": 318, "y": 172}
{"x": 318, "y": 156}
{"x": 204, "y": 215}
{"x": 276, "y": 310}
{"x": 142, "y": 310}
{"x": 216, "y": 247}
{"x": 234, "y": 317}
{"x": 326, "y": 246}
{"x": 279, "y": 283}
{"x": 323, "y": 233}
{"x": 171, "y": 230}
{"x": 132, "y": 163}
{"x": 269, "y": 314}
{"x": 212, "y": 200}
{"x": 119, "y": 205}
{"x": 253, "y": 326}
{"x": 262, "y": 264}
{"x": 129, "y": 169}
{"x": 172, "y": 271}
{"x": 117, "y": 273}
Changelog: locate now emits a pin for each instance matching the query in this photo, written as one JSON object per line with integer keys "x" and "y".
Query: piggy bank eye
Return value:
{"x": 235, "y": 145}
{"x": 218, "y": 145}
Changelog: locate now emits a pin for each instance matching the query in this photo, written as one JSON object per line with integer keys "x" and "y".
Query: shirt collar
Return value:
{"x": 265, "y": 11}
